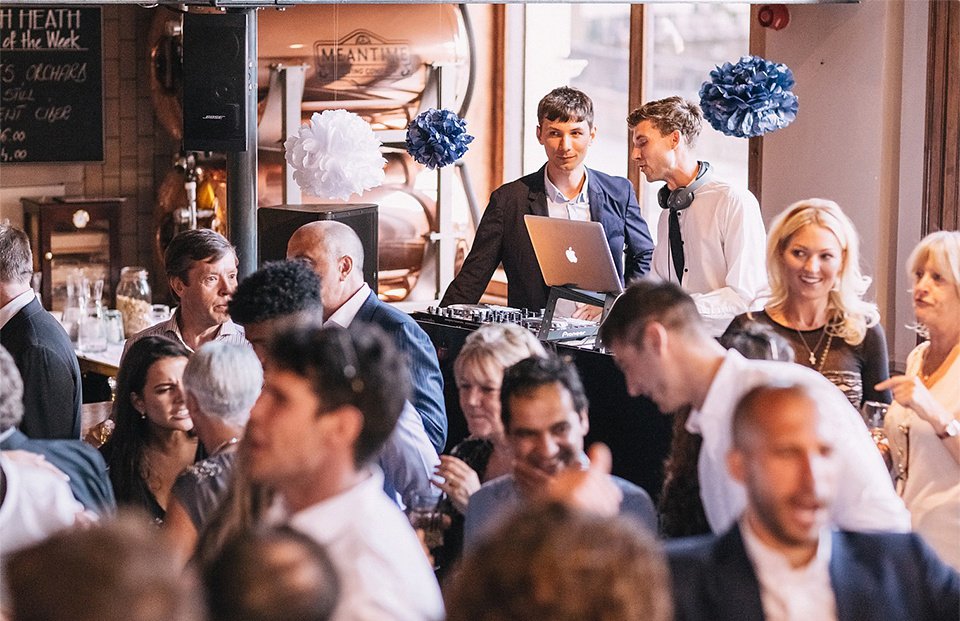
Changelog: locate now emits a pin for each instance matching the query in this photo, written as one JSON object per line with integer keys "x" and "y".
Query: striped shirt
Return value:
{"x": 229, "y": 332}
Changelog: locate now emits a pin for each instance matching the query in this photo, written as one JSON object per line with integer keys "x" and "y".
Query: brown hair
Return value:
{"x": 669, "y": 115}
{"x": 565, "y": 104}
{"x": 551, "y": 563}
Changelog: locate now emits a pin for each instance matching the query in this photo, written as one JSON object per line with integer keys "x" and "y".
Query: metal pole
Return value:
{"x": 242, "y": 165}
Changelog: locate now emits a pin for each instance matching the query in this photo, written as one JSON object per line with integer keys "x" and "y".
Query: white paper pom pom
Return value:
{"x": 335, "y": 155}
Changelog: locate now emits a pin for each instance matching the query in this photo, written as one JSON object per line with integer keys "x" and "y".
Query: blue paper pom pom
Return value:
{"x": 749, "y": 98}
{"x": 436, "y": 138}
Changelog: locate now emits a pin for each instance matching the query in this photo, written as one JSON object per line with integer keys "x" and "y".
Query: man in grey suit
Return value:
{"x": 39, "y": 346}
{"x": 782, "y": 560}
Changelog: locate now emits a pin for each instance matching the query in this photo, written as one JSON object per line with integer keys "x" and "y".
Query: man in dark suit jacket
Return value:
{"x": 564, "y": 188}
{"x": 75, "y": 458}
{"x": 336, "y": 254}
{"x": 39, "y": 346}
{"x": 782, "y": 560}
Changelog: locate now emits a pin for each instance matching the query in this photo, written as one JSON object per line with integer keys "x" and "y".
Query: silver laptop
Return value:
{"x": 573, "y": 253}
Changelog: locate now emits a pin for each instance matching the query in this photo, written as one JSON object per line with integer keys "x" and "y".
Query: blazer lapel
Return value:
{"x": 538, "y": 194}
{"x": 844, "y": 574}
{"x": 366, "y": 309}
{"x": 595, "y": 196}
{"x": 737, "y": 590}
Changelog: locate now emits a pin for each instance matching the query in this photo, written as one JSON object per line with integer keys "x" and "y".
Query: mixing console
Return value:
{"x": 472, "y": 315}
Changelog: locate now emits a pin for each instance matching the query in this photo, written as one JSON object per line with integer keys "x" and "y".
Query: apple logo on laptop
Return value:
{"x": 571, "y": 255}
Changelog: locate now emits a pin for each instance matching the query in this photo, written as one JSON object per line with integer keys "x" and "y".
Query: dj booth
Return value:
{"x": 636, "y": 432}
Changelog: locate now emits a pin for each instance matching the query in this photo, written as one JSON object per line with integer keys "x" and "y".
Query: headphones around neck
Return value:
{"x": 682, "y": 197}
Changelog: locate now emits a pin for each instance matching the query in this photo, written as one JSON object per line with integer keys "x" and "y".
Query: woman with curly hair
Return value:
{"x": 152, "y": 442}
{"x": 816, "y": 300}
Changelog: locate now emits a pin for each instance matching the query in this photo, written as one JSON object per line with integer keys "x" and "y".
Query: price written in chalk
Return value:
{"x": 51, "y": 84}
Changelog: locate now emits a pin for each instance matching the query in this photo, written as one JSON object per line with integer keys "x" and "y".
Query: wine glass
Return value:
{"x": 874, "y": 413}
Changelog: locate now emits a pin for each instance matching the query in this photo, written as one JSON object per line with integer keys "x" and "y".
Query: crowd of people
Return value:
{"x": 272, "y": 433}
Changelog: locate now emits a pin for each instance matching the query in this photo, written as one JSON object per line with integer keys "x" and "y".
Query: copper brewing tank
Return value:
{"x": 369, "y": 59}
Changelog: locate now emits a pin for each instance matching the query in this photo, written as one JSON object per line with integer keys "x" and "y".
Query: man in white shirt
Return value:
{"x": 710, "y": 237}
{"x": 666, "y": 353}
{"x": 201, "y": 267}
{"x": 781, "y": 561}
{"x": 52, "y": 391}
{"x": 331, "y": 397}
{"x": 335, "y": 252}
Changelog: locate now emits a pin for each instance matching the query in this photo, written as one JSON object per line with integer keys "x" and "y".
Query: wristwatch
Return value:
{"x": 952, "y": 429}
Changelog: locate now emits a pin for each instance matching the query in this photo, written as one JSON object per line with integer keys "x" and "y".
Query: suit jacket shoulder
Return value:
{"x": 51, "y": 374}
{"x": 637, "y": 504}
{"x": 713, "y": 579}
{"x": 79, "y": 461}
{"x": 410, "y": 339}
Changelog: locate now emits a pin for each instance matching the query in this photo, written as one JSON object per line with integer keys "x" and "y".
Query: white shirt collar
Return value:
{"x": 345, "y": 315}
{"x": 337, "y": 512}
{"x": 792, "y": 593}
{"x": 559, "y": 206}
{"x": 6, "y": 434}
{"x": 15, "y": 305}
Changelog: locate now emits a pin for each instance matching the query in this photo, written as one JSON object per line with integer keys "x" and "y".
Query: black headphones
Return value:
{"x": 682, "y": 197}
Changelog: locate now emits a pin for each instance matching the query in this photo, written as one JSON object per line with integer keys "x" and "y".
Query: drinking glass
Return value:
{"x": 426, "y": 518}
{"x": 114, "y": 326}
{"x": 874, "y": 413}
{"x": 159, "y": 313}
{"x": 92, "y": 333}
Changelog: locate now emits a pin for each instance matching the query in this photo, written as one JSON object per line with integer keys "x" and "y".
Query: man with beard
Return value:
{"x": 544, "y": 411}
{"x": 781, "y": 560}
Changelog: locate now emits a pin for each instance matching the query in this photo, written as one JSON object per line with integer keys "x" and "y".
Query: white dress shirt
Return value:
{"x": 37, "y": 504}
{"x": 865, "y": 499}
{"x": 724, "y": 245}
{"x": 15, "y": 305}
{"x": 383, "y": 570}
{"x": 559, "y": 206}
{"x": 344, "y": 315}
{"x": 788, "y": 593}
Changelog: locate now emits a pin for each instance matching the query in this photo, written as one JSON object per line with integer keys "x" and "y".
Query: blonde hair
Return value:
{"x": 500, "y": 344}
{"x": 942, "y": 249}
{"x": 850, "y": 314}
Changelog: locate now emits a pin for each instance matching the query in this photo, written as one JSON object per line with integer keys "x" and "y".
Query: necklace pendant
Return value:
{"x": 813, "y": 359}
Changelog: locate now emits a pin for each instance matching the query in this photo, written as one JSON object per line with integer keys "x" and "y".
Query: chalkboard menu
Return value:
{"x": 51, "y": 85}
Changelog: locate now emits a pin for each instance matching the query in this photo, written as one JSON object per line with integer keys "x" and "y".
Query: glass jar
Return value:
{"x": 134, "y": 299}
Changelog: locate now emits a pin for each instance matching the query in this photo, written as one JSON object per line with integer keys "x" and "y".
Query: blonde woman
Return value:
{"x": 816, "y": 301}
{"x": 922, "y": 424}
{"x": 485, "y": 454}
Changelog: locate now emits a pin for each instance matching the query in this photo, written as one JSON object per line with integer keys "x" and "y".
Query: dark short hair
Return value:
{"x": 527, "y": 375}
{"x": 271, "y": 575}
{"x": 565, "y": 104}
{"x": 757, "y": 341}
{"x": 121, "y": 570}
{"x": 669, "y": 115}
{"x": 16, "y": 260}
{"x": 278, "y": 289}
{"x": 551, "y": 563}
{"x": 647, "y": 300}
{"x": 359, "y": 366}
{"x": 194, "y": 246}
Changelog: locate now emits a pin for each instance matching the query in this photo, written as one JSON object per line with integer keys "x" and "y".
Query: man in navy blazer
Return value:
{"x": 335, "y": 252}
{"x": 782, "y": 560}
{"x": 39, "y": 346}
{"x": 563, "y": 188}
{"x": 75, "y": 458}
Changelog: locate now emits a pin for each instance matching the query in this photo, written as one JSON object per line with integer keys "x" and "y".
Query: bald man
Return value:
{"x": 335, "y": 252}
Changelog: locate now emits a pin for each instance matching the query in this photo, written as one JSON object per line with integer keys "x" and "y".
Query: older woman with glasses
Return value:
{"x": 816, "y": 300}
{"x": 923, "y": 423}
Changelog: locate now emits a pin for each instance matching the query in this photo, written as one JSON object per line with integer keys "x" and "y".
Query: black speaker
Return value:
{"x": 214, "y": 81}
{"x": 277, "y": 224}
